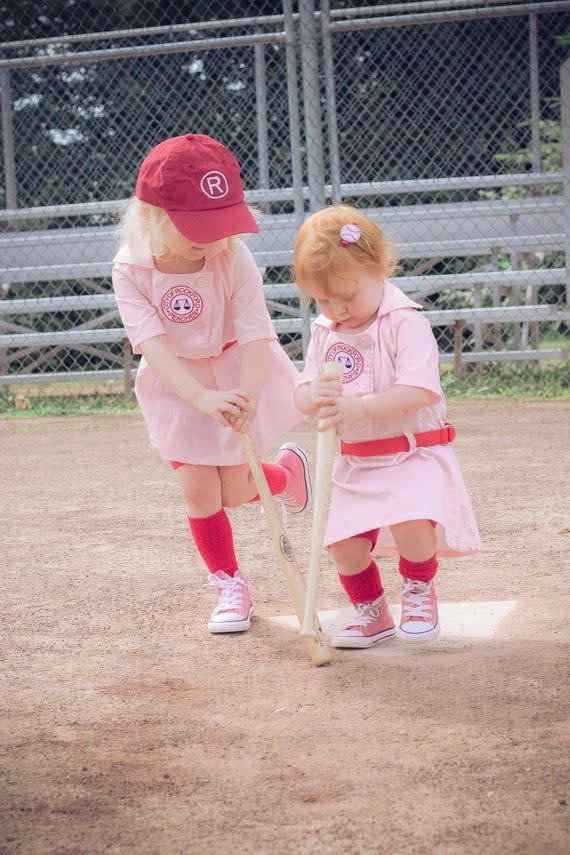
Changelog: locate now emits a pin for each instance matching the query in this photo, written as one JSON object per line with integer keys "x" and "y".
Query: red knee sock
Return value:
{"x": 363, "y": 587}
{"x": 214, "y": 539}
{"x": 421, "y": 571}
{"x": 276, "y": 476}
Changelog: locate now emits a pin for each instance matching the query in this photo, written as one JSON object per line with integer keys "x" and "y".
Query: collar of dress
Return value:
{"x": 392, "y": 300}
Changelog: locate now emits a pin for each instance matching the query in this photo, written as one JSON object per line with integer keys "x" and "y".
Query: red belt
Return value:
{"x": 395, "y": 444}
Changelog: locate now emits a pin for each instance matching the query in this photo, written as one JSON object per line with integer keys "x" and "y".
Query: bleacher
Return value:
{"x": 520, "y": 228}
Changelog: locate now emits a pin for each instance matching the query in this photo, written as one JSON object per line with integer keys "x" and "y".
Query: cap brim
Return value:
{"x": 209, "y": 226}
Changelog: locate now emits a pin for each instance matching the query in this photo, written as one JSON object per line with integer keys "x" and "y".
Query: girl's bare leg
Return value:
{"x": 201, "y": 489}
{"x": 352, "y": 555}
{"x": 415, "y": 539}
{"x": 237, "y": 485}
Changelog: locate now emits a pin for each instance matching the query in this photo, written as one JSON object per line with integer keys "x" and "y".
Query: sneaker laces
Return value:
{"x": 366, "y": 613}
{"x": 416, "y": 599}
{"x": 286, "y": 496}
{"x": 230, "y": 592}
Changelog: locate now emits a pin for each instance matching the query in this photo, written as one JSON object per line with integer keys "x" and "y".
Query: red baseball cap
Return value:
{"x": 197, "y": 182}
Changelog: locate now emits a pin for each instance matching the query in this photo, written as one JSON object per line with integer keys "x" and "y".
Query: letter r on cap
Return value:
{"x": 214, "y": 185}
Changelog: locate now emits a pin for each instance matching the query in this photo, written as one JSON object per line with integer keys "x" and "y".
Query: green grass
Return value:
{"x": 16, "y": 405}
{"x": 552, "y": 340}
{"x": 529, "y": 380}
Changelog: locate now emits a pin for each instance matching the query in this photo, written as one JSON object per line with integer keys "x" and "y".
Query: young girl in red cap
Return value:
{"x": 397, "y": 487}
{"x": 191, "y": 301}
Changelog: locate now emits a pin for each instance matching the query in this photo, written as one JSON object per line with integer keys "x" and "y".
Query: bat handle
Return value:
{"x": 326, "y": 448}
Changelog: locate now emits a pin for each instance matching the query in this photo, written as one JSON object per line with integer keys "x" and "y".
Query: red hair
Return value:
{"x": 320, "y": 252}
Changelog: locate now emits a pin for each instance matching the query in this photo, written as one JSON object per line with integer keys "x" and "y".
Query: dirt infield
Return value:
{"x": 126, "y": 727}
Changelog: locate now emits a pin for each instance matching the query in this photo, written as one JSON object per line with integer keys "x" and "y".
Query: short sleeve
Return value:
{"x": 313, "y": 360}
{"x": 249, "y": 313}
{"x": 140, "y": 318}
{"x": 417, "y": 357}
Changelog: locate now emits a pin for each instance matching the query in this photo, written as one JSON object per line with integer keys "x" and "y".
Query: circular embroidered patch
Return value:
{"x": 350, "y": 359}
{"x": 181, "y": 304}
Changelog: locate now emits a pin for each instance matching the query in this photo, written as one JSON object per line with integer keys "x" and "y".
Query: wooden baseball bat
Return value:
{"x": 315, "y": 644}
{"x": 326, "y": 449}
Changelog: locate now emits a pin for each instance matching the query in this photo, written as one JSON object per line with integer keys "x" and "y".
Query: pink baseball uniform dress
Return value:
{"x": 205, "y": 317}
{"x": 398, "y": 348}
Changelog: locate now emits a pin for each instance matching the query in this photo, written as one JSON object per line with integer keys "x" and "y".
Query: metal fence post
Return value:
{"x": 312, "y": 104}
{"x": 127, "y": 369}
{"x": 9, "y": 170}
{"x": 532, "y": 331}
{"x": 331, "y": 102}
{"x": 296, "y": 155}
{"x": 261, "y": 111}
{"x": 458, "y": 366}
{"x": 565, "y": 121}
{"x": 294, "y": 114}
{"x": 8, "y": 138}
{"x": 534, "y": 93}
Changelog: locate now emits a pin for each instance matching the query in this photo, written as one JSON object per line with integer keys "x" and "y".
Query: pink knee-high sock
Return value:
{"x": 276, "y": 478}
{"x": 363, "y": 587}
{"x": 214, "y": 539}
{"x": 421, "y": 571}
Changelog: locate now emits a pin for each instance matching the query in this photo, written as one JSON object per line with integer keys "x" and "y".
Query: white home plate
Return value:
{"x": 461, "y": 623}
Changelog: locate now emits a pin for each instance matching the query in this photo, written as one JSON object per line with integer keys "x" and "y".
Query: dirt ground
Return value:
{"x": 127, "y": 727}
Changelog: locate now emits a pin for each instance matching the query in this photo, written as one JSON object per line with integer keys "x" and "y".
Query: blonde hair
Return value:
{"x": 143, "y": 226}
{"x": 319, "y": 252}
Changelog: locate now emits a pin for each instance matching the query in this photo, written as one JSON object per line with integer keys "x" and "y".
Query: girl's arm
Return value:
{"x": 304, "y": 399}
{"x": 254, "y": 331}
{"x": 315, "y": 389}
{"x": 324, "y": 390}
{"x": 396, "y": 403}
{"x": 253, "y": 367}
{"x": 253, "y": 372}
{"x": 176, "y": 376}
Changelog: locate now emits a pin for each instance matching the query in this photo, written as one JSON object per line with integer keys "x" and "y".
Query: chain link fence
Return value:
{"x": 444, "y": 119}
{"x": 476, "y": 98}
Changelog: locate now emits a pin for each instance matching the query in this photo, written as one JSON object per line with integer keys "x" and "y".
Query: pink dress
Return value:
{"x": 205, "y": 316}
{"x": 398, "y": 348}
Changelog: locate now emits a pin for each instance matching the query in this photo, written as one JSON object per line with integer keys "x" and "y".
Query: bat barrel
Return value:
{"x": 315, "y": 642}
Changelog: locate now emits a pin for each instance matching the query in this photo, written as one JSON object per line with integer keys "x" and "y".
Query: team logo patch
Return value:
{"x": 350, "y": 359}
{"x": 214, "y": 184}
{"x": 181, "y": 304}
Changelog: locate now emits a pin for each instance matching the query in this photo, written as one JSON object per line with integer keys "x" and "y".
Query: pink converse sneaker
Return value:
{"x": 235, "y": 605}
{"x": 372, "y": 623}
{"x": 419, "y": 621}
{"x": 297, "y": 492}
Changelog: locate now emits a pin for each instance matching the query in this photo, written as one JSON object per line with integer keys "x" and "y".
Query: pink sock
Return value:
{"x": 276, "y": 476}
{"x": 215, "y": 542}
{"x": 421, "y": 571}
{"x": 363, "y": 587}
